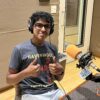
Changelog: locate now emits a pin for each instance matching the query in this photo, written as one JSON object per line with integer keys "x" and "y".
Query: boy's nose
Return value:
{"x": 43, "y": 28}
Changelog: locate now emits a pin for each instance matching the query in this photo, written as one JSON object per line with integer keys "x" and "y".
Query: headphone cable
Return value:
{"x": 66, "y": 95}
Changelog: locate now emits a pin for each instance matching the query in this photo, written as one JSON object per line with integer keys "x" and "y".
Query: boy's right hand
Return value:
{"x": 33, "y": 68}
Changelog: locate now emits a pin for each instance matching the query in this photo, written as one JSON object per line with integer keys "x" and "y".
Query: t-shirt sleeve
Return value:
{"x": 15, "y": 59}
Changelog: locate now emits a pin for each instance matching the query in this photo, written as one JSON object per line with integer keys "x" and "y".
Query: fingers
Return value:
{"x": 36, "y": 71}
{"x": 52, "y": 68}
{"x": 54, "y": 59}
{"x": 37, "y": 68}
{"x": 34, "y": 66}
{"x": 52, "y": 65}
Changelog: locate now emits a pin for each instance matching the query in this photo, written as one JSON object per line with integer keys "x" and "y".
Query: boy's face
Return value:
{"x": 41, "y": 30}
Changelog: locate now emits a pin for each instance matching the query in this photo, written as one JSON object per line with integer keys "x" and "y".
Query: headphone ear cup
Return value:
{"x": 30, "y": 26}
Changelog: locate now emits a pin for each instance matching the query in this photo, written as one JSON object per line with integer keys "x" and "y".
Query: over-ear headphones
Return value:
{"x": 30, "y": 25}
{"x": 32, "y": 21}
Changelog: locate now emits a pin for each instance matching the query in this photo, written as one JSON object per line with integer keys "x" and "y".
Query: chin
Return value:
{"x": 41, "y": 39}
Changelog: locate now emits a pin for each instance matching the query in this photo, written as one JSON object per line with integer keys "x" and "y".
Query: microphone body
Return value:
{"x": 84, "y": 61}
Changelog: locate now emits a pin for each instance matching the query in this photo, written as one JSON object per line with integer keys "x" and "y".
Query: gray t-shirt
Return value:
{"x": 23, "y": 54}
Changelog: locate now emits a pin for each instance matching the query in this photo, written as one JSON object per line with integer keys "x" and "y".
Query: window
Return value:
{"x": 74, "y": 22}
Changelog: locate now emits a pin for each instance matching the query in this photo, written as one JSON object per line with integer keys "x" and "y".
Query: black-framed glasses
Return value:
{"x": 40, "y": 25}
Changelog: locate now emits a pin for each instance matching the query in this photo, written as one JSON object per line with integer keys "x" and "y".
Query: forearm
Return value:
{"x": 14, "y": 79}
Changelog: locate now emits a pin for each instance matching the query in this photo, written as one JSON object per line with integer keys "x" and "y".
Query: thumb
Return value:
{"x": 34, "y": 62}
{"x": 54, "y": 59}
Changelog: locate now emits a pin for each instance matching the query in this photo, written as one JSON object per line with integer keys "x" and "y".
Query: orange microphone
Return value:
{"x": 84, "y": 60}
{"x": 73, "y": 51}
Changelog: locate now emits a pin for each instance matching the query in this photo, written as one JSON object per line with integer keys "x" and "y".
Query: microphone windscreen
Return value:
{"x": 73, "y": 51}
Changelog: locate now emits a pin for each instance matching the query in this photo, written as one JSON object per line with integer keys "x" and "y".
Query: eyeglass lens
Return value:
{"x": 40, "y": 25}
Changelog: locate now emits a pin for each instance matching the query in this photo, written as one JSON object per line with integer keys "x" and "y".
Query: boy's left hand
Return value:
{"x": 55, "y": 68}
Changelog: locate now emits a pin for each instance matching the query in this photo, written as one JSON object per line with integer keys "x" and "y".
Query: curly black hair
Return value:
{"x": 41, "y": 15}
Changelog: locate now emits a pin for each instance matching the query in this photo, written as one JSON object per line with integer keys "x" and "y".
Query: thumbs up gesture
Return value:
{"x": 33, "y": 68}
{"x": 55, "y": 68}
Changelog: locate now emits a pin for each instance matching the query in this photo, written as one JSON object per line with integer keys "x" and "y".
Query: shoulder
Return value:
{"x": 22, "y": 45}
{"x": 50, "y": 45}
